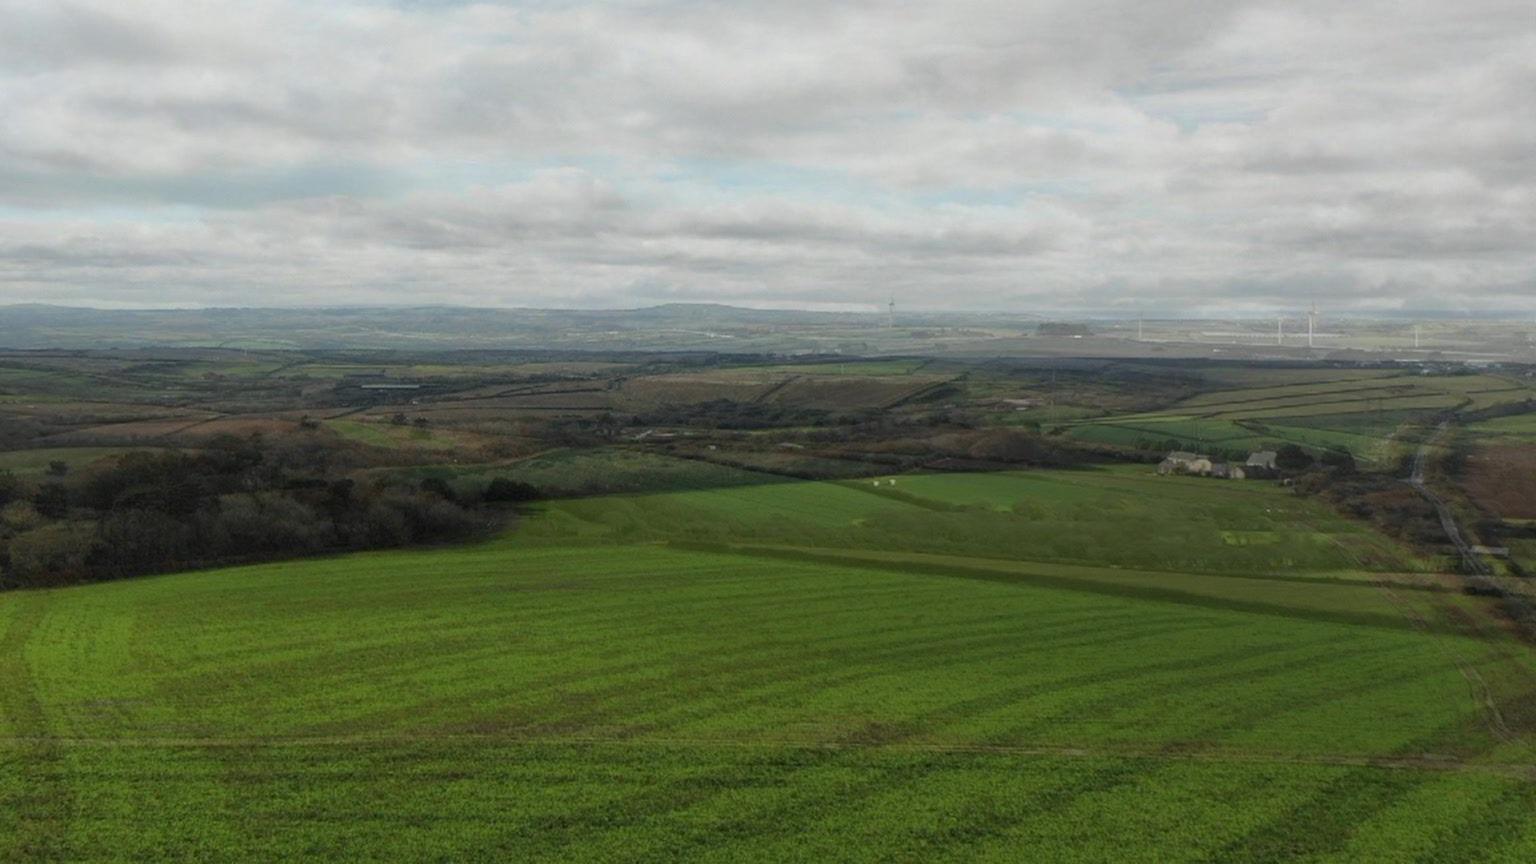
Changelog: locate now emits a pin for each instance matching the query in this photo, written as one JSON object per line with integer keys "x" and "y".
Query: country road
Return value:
{"x": 1474, "y": 563}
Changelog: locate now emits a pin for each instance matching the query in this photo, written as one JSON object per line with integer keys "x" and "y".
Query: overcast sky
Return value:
{"x": 1202, "y": 157}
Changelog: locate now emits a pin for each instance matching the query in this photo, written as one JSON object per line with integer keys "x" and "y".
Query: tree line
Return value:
{"x": 232, "y": 500}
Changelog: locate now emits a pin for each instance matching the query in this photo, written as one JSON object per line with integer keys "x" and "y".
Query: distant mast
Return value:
{"x": 890, "y": 314}
{"x": 1311, "y": 322}
{"x": 1280, "y": 330}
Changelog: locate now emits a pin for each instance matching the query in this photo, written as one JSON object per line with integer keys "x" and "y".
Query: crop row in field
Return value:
{"x": 580, "y": 692}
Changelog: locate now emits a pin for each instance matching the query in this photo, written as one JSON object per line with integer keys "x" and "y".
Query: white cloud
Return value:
{"x": 967, "y": 154}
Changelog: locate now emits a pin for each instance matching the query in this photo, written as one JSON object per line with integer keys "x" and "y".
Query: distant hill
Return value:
{"x": 685, "y": 326}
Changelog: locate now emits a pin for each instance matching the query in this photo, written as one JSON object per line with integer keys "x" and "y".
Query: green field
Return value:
{"x": 1355, "y": 414}
{"x": 1519, "y": 427}
{"x": 1367, "y": 441}
{"x": 1125, "y": 516}
{"x": 579, "y": 473}
{"x": 787, "y": 672}
{"x": 852, "y": 367}
{"x": 37, "y": 461}
{"x": 393, "y": 436}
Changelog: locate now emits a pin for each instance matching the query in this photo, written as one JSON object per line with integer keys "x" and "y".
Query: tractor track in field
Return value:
{"x": 44, "y": 806}
{"x": 1481, "y": 693}
{"x": 1180, "y": 752}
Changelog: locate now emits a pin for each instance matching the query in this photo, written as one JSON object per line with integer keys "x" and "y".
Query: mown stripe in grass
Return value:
{"x": 1324, "y": 823}
{"x": 1024, "y": 576}
{"x": 1501, "y": 830}
{"x": 35, "y": 800}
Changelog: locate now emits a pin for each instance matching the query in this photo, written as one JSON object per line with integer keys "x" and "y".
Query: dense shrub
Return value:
{"x": 502, "y": 490}
{"x": 1291, "y": 458}
{"x": 236, "y": 499}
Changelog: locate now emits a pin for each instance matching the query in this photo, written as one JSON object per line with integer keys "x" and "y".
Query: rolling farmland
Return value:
{"x": 687, "y": 651}
{"x": 1355, "y": 414}
{"x": 623, "y": 679}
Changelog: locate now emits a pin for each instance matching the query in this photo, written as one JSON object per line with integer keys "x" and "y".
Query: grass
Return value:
{"x": 1124, "y": 517}
{"x": 1521, "y": 427}
{"x": 1255, "y": 376}
{"x": 851, "y": 367}
{"x": 1357, "y": 414}
{"x": 36, "y": 462}
{"x": 1201, "y": 434}
{"x": 579, "y": 473}
{"x": 781, "y": 672}
{"x": 393, "y": 436}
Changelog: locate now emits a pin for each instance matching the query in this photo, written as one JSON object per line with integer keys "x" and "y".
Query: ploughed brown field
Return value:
{"x": 1502, "y": 479}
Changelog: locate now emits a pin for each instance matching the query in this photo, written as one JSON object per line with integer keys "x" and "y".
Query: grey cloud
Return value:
{"x": 973, "y": 153}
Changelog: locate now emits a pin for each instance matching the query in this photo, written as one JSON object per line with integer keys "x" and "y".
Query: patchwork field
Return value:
{"x": 943, "y": 668}
{"x": 1519, "y": 427}
{"x": 579, "y": 473}
{"x": 380, "y": 434}
{"x": 1354, "y": 413}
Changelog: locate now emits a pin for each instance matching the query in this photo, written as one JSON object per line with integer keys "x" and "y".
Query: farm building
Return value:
{"x": 1228, "y": 471}
{"x": 1184, "y": 462}
{"x": 1262, "y": 459}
